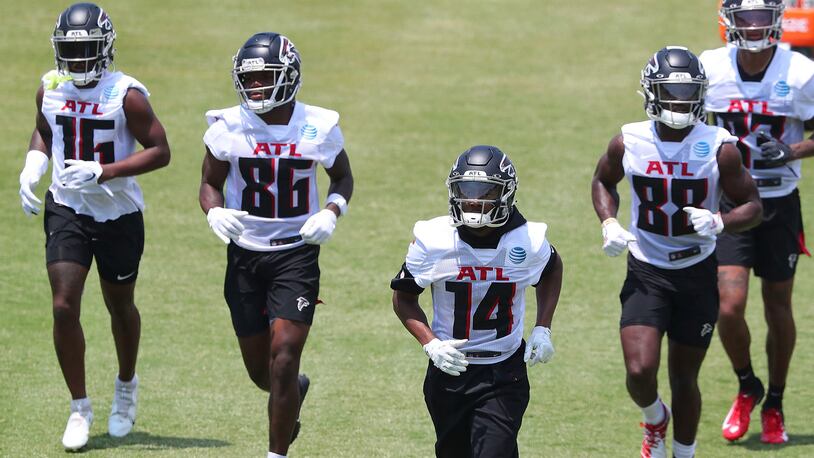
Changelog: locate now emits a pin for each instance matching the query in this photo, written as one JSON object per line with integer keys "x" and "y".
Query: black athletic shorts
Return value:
{"x": 773, "y": 247}
{"x": 261, "y": 286}
{"x": 478, "y": 413}
{"x": 116, "y": 244}
{"x": 681, "y": 302}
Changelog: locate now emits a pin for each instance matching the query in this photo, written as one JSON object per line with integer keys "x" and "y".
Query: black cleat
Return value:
{"x": 304, "y": 382}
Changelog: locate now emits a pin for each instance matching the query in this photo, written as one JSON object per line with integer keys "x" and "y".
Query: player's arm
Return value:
{"x": 443, "y": 353}
{"x": 804, "y": 148}
{"x": 213, "y": 176}
{"x": 226, "y": 223}
{"x": 36, "y": 160}
{"x": 341, "y": 178}
{"x": 148, "y": 131}
{"x": 548, "y": 289}
{"x": 539, "y": 348}
{"x": 609, "y": 172}
{"x": 740, "y": 188}
{"x": 406, "y": 306}
{"x": 41, "y": 137}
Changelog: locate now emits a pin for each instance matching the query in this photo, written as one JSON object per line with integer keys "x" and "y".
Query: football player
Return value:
{"x": 764, "y": 95}
{"x": 478, "y": 261}
{"x": 266, "y": 150}
{"x": 677, "y": 168}
{"x": 89, "y": 119}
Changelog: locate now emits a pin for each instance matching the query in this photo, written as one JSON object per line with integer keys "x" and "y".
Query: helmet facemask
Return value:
{"x": 753, "y": 26}
{"x": 676, "y": 101}
{"x": 83, "y": 57}
{"x": 277, "y": 86}
{"x": 477, "y": 201}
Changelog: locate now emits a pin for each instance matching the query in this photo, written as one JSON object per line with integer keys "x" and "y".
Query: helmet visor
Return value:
{"x": 754, "y": 19}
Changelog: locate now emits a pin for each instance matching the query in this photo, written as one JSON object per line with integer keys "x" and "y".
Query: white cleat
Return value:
{"x": 123, "y": 411}
{"x": 77, "y": 431}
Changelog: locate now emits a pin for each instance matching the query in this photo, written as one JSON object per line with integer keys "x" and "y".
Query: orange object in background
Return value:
{"x": 798, "y": 24}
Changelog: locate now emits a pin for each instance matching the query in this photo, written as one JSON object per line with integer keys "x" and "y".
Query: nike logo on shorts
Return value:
{"x": 125, "y": 277}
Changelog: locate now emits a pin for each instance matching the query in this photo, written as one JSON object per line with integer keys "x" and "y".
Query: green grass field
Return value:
{"x": 416, "y": 83}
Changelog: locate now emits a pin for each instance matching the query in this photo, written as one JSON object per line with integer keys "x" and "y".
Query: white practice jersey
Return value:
{"x": 478, "y": 294}
{"x": 665, "y": 177}
{"x": 90, "y": 125}
{"x": 272, "y": 169}
{"x": 779, "y": 104}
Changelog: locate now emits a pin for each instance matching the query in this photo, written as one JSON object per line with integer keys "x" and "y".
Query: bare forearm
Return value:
{"x": 743, "y": 217}
{"x": 209, "y": 197}
{"x": 413, "y": 318}
{"x": 606, "y": 200}
{"x": 803, "y": 149}
{"x": 548, "y": 295}
{"x": 142, "y": 162}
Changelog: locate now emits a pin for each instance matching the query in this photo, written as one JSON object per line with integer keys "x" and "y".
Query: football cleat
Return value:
{"x": 77, "y": 431}
{"x": 736, "y": 423}
{"x": 654, "y": 445}
{"x": 774, "y": 431}
{"x": 123, "y": 411}
{"x": 304, "y": 382}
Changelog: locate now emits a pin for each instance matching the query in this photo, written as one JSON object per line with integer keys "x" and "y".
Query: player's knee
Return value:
{"x": 731, "y": 311}
{"x": 64, "y": 312}
{"x": 285, "y": 364}
{"x": 641, "y": 373}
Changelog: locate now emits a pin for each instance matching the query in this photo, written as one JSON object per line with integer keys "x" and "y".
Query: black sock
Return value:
{"x": 774, "y": 398}
{"x": 749, "y": 383}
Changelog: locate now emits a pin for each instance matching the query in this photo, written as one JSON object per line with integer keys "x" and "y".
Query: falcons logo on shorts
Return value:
{"x": 302, "y": 303}
{"x": 706, "y": 329}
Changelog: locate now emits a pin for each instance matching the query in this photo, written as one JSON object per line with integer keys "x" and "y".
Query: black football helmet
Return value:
{"x": 752, "y": 25}
{"x": 482, "y": 186}
{"x": 83, "y": 43}
{"x": 267, "y": 52}
{"x": 674, "y": 84}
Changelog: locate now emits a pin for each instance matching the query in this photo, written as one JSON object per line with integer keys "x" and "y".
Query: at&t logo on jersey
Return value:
{"x": 701, "y": 149}
{"x": 517, "y": 255}
{"x": 308, "y": 132}
{"x": 782, "y": 89}
{"x": 110, "y": 93}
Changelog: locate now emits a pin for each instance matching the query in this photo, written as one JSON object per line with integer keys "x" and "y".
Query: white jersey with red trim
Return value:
{"x": 779, "y": 104}
{"x": 272, "y": 169}
{"x": 478, "y": 294}
{"x": 665, "y": 177}
{"x": 90, "y": 125}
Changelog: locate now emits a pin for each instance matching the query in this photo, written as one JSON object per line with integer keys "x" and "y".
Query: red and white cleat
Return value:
{"x": 774, "y": 431}
{"x": 654, "y": 445}
{"x": 736, "y": 423}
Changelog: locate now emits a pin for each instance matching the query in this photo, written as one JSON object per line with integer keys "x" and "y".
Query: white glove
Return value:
{"x": 78, "y": 175}
{"x": 615, "y": 237}
{"x": 36, "y": 164}
{"x": 539, "y": 348}
{"x": 445, "y": 356}
{"x": 319, "y": 227}
{"x": 226, "y": 223}
{"x": 705, "y": 223}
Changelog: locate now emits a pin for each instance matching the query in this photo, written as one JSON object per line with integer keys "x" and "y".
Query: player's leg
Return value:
{"x": 498, "y": 415}
{"x": 692, "y": 323}
{"x": 68, "y": 258}
{"x": 733, "y": 287}
{"x": 736, "y": 255}
{"x": 780, "y": 243}
{"x": 684, "y": 363}
{"x": 645, "y": 310}
{"x": 293, "y": 276}
{"x": 118, "y": 246}
{"x": 450, "y": 409}
{"x": 67, "y": 282}
{"x": 287, "y": 342}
